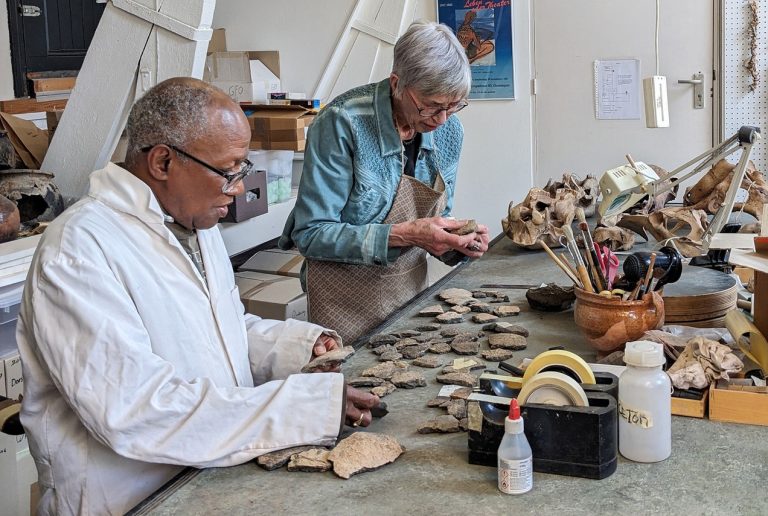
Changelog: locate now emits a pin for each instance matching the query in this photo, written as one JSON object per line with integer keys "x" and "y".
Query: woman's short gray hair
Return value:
{"x": 429, "y": 59}
{"x": 174, "y": 112}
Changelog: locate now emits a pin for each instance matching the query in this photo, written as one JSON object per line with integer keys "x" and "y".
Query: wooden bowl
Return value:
{"x": 609, "y": 323}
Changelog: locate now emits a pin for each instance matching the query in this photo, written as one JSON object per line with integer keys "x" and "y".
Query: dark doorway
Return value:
{"x": 49, "y": 35}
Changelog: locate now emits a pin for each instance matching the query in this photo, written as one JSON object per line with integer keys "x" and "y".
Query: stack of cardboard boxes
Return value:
{"x": 279, "y": 127}
{"x": 270, "y": 287}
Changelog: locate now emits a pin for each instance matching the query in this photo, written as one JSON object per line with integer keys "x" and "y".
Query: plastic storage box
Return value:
{"x": 279, "y": 167}
{"x": 10, "y": 302}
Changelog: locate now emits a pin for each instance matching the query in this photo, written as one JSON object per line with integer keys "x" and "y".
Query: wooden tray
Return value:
{"x": 700, "y": 298}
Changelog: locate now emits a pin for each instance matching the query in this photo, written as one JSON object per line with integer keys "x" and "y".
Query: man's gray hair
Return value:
{"x": 429, "y": 59}
{"x": 174, "y": 112}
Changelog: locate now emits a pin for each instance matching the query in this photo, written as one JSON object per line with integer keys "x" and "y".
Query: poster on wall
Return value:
{"x": 484, "y": 29}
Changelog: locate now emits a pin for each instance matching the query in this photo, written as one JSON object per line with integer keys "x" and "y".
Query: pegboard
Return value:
{"x": 740, "y": 106}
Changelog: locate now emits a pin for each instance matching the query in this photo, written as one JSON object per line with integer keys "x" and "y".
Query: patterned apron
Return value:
{"x": 353, "y": 299}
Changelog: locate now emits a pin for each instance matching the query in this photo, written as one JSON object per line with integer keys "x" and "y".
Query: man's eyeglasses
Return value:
{"x": 431, "y": 112}
{"x": 232, "y": 177}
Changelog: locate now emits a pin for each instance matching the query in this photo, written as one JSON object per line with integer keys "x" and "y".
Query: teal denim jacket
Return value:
{"x": 352, "y": 168}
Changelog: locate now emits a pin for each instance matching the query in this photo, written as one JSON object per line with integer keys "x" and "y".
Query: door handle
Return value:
{"x": 698, "y": 89}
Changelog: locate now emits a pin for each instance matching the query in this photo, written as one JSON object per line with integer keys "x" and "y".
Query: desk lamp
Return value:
{"x": 624, "y": 186}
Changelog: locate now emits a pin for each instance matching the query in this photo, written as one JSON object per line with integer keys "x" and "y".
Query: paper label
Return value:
{"x": 515, "y": 476}
{"x": 632, "y": 416}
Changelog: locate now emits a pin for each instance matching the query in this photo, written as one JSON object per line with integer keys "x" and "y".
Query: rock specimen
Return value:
{"x": 439, "y": 348}
{"x": 383, "y": 349}
{"x": 440, "y": 401}
{"x": 429, "y": 362}
{"x": 505, "y": 327}
{"x": 463, "y": 365}
{"x": 461, "y": 394}
{"x": 464, "y": 379}
{"x": 457, "y": 408}
{"x": 550, "y": 298}
{"x": 390, "y": 355}
{"x": 466, "y": 229}
{"x": 507, "y": 341}
{"x": 408, "y": 333}
{"x": 429, "y": 326}
{"x": 496, "y": 355}
{"x": 411, "y": 352}
{"x": 461, "y": 309}
{"x": 366, "y": 381}
{"x": 404, "y": 343}
{"x": 483, "y": 308}
{"x": 484, "y": 318}
{"x": 431, "y": 311}
{"x": 441, "y": 424}
{"x": 465, "y": 347}
{"x": 364, "y": 451}
{"x": 332, "y": 357}
{"x": 461, "y": 301}
{"x": 384, "y": 390}
{"x": 385, "y": 370}
{"x": 381, "y": 339}
{"x": 506, "y": 310}
{"x": 449, "y": 318}
{"x": 311, "y": 461}
{"x": 408, "y": 380}
{"x": 454, "y": 292}
{"x": 277, "y": 459}
{"x": 450, "y": 332}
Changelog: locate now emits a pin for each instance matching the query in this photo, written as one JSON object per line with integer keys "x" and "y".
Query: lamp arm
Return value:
{"x": 723, "y": 214}
{"x": 714, "y": 155}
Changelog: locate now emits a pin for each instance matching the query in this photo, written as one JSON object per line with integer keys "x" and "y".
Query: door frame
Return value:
{"x": 17, "y": 49}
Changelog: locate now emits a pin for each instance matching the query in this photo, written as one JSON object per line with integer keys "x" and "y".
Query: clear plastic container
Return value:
{"x": 645, "y": 404}
{"x": 10, "y": 302}
{"x": 279, "y": 167}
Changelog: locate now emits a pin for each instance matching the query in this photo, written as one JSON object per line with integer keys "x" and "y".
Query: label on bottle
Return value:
{"x": 515, "y": 476}
{"x": 641, "y": 418}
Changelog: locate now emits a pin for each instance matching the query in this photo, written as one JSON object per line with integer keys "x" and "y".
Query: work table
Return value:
{"x": 714, "y": 468}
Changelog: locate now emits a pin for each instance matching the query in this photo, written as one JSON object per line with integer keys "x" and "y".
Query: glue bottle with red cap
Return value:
{"x": 515, "y": 459}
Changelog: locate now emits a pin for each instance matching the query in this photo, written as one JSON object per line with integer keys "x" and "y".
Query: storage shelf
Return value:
{"x": 241, "y": 236}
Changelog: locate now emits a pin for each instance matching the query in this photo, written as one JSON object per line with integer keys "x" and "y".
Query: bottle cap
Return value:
{"x": 644, "y": 353}
{"x": 513, "y": 424}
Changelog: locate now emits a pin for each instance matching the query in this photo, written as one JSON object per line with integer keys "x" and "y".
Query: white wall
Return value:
{"x": 496, "y": 164}
{"x": 6, "y": 73}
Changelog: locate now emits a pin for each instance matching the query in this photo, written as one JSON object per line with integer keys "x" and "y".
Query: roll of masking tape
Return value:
{"x": 553, "y": 388}
{"x": 562, "y": 361}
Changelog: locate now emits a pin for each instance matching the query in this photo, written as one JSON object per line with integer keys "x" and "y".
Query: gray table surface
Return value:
{"x": 715, "y": 468}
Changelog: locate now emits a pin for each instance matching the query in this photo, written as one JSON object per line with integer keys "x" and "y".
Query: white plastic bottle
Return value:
{"x": 645, "y": 404}
{"x": 515, "y": 459}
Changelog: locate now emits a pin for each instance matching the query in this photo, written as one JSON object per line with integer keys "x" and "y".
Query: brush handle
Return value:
{"x": 557, "y": 261}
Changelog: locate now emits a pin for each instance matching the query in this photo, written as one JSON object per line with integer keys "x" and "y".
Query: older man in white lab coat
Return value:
{"x": 137, "y": 357}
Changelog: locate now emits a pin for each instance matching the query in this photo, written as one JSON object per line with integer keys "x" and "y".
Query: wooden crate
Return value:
{"x": 690, "y": 408}
{"x": 738, "y": 406}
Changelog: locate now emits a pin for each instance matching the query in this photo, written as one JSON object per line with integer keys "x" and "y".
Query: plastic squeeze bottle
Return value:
{"x": 645, "y": 404}
{"x": 515, "y": 458}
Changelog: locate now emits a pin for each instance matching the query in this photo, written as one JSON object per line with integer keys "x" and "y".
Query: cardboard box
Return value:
{"x": 275, "y": 261}
{"x": 253, "y": 202}
{"x": 248, "y": 76}
{"x": 737, "y": 406}
{"x": 14, "y": 379}
{"x": 272, "y": 297}
{"x": 218, "y": 41}
{"x": 279, "y": 127}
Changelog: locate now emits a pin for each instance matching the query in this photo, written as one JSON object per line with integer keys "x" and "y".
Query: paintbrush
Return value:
{"x": 581, "y": 268}
{"x": 557, "y": 261}
{"x": 589, "y": 250}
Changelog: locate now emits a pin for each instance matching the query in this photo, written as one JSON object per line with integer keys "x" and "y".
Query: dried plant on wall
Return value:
{"x": 751, "y": 63}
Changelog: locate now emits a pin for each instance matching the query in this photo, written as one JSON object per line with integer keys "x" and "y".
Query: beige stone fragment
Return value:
{"x": 429, "y": 362}
{"x": 311, "y": 461}
{"x": 457, "y": 408}
{"x": 449, "y": 318}
{"x": 507, "y": 341}
{"x": 441, "y": 424}
{"x": 408, "y": 380}
{"x": 431, "y": 311}
{"x": 463, "y": 379}
{"x": 507, "y": 310}
{"x": 440, "y": 348}
{"x": 385, "y": 370}
{"x": 364, "y": 451}
{"x": 496, "y": 355}
{"x": 484, "y": 318}
{"x": 279, "y": 458}
{"x": 461, "y": 301}
{"x": 453, "y": 292}
{"x": 332, "y": 357}
{"x": 384, "y": 390}
{"x": 461, "y": 309}
{"x": 461, "y": 394}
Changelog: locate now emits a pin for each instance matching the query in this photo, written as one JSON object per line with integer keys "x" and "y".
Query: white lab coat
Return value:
{"x": 134, "y": 367}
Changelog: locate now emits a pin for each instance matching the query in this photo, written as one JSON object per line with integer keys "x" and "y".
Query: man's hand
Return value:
{"x": 323, "y": 345}
{"x": 432, "y": 235}
{"x": 359, "y": 404}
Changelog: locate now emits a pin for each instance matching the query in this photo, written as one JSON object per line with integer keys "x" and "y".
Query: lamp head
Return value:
{"x": 625, "y": 186}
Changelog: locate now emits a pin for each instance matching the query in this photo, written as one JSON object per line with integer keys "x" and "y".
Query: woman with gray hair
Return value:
{"x": 377, "y": 186}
